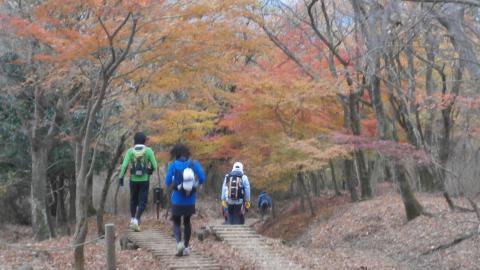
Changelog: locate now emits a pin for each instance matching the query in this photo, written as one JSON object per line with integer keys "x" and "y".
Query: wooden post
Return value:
{"x": 110, "y": 246}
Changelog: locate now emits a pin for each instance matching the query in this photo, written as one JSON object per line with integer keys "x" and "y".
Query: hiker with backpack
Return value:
{"x": 264, "y": 203}
{"x": 186, "y": 176}
{"x": 143, "y": 163}
{"x": 236, "y": 194}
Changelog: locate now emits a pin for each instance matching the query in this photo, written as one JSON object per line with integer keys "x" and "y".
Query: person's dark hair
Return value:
{"x": 139, "y": 138}
{"x": 180, "y": 150}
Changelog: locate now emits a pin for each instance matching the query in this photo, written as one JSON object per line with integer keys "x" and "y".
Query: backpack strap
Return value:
{"x": 191, "y": 164}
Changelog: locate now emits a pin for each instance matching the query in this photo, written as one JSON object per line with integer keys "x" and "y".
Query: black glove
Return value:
{"x": 120, "y": 181}
{"x": 150, "y": 171}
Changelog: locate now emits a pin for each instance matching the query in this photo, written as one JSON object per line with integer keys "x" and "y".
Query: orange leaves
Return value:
{"x": 44, "y": 57}
{"x": 278, "y": 114}
{"x": 369, "y": 127}
{"x": 136, "y": 5}
{"x": 71, "y": 30}
{"x": 24, "y": 28}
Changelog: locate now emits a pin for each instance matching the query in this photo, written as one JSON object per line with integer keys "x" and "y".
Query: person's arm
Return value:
{"x": 126, "y": 160}
{"x": 246, "y": 186}
{"x": 197, "y": 168}
{"x": 169, "y": 176}
{"x": 152, "y": 159}
{"x": 223, "y": 197}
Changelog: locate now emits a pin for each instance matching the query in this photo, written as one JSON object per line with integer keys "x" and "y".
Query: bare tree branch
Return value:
{"x": 464, "y": 2}
{"x": 324, "y": 39}
{"x": 289, "y": 53}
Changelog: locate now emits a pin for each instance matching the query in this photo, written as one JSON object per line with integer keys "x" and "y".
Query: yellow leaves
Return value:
{"x": 297, "y": 155}
{"x": 182, "y": 125}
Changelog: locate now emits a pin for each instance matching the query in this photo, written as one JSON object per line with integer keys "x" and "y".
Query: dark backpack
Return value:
{"x": 235, "y": 186}
{"x": 179, "y": 181}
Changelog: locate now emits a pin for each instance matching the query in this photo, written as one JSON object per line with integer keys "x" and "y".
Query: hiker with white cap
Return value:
{"x": 236, "y": 194}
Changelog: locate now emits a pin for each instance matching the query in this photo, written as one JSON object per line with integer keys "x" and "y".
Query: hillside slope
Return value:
{"x": 374, "y": 234}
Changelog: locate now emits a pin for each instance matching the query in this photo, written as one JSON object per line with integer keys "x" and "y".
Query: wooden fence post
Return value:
{"x": 110, "y": 246}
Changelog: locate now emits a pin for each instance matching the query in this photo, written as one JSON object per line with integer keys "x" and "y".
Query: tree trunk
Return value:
{"x": 292, "y": 187}
{"x": 302, "y": 196}
{"x": 306, "y": 194}
{"x": 427, "y": 179}
{"x": 91, "y": 207}
{"x": 323, "y": 182}
{"x": 115, "y": 201}
{"x": 101, "y": 208}
{"x": 314, "y": 182}
{"x": 81, "y": 204}
{"x": 100, "y": 229}
{"x": 62, "y": 221}
{"x": 83, "y": 167}
{"x": 349, "y": 179}
{"x": 452, "y": 19}
{"x": 211, "y": 186}
{"x": 40, "y": 226}
{"x": 72, "y": 190}
{"x": 108, "y": 180}
{"x": 334, "y": 180}
{"x": 413, "y": 208}
{"x": 366, "y": 189}
{"x": 431, "y": 46}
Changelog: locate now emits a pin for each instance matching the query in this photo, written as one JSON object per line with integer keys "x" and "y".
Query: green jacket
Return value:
{"x": 129, "y": 158}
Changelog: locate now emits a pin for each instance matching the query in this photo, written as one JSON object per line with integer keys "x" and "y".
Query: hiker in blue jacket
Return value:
{"x": 236, "y": 194}
{"x": 186, "y": 175}
{"x": 264, "y": 203}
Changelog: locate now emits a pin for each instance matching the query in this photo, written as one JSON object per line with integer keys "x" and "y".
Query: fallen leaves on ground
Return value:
{"x": 372, "y": 234}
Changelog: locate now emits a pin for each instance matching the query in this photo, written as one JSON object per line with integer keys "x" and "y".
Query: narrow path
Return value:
{"x": 163, "y": 247}
{"x": 251, "y": 245}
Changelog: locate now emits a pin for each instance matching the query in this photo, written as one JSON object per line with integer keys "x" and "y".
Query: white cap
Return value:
{"x": 237, "y": 166}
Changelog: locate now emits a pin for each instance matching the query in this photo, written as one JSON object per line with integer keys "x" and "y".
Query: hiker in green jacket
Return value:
{"x": 143, "y": 163}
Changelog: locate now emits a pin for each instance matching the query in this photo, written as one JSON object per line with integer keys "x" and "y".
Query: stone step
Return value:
{"x": 240, "y": 237}
{"x": 232, "y": 229}
{"x": 249, "y": 244}
{"x": 163, "y": 248}
{"x": 205, "y": 267}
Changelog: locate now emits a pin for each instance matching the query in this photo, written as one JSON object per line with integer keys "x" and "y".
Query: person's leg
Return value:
{"x": 187, "y": 229}
{"x": 133, "y": 198}
{"x": 241, "y": 218}
{"x": 241, "y": 214}
{"x": 264, "y": 211}
{"x": 176, "y": 228}
{"x": 231, "y": 214}
{"x": 178, "y": 235}
{"x": 236, "y": 210}
{"x": 143, "y": 198}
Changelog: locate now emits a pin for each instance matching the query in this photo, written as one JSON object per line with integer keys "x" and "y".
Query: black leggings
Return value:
{"x": 187, "y": 230}
{"x": 138, "y": 198}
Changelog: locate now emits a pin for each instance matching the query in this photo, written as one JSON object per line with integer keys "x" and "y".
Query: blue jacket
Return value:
{"x": 178, "y": 198}
{"x": 264, "y": 197}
